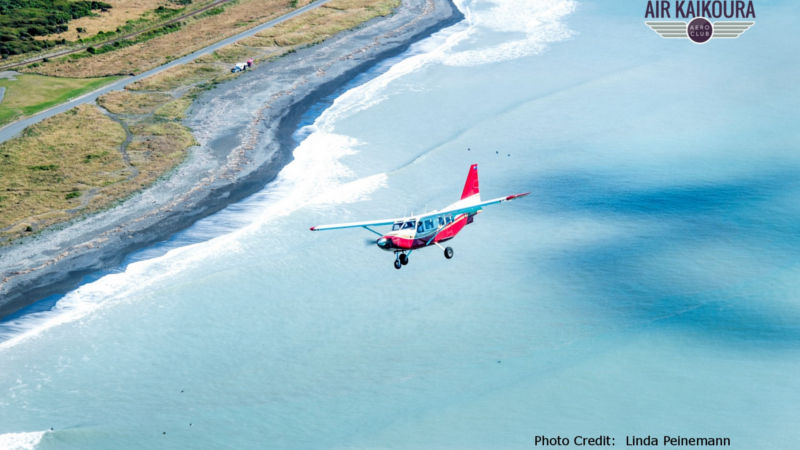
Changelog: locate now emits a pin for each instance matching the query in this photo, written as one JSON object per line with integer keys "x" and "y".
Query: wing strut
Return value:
{"x": 441, "y": 227}
{"x": 370, "y": 229}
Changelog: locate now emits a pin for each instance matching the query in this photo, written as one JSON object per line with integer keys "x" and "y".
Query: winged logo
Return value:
{"x": 699, "y": 30}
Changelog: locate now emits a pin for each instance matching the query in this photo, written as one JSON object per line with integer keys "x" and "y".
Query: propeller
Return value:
{"x": 368, "y": 242}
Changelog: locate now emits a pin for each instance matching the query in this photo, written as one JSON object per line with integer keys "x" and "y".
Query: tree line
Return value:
{"x": 22, "y": 20}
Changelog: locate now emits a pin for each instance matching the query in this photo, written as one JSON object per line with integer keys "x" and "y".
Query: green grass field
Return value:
{"x": 28, "y": 94}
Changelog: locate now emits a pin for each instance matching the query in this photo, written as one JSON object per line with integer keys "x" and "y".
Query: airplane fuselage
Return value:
{"x": 419, "y": 232}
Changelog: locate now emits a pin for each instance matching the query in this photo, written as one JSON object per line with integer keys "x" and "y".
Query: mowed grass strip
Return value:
{"x": 28, "y": 94}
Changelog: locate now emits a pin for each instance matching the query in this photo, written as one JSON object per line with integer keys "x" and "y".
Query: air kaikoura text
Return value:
{"x": 686, "y": 9}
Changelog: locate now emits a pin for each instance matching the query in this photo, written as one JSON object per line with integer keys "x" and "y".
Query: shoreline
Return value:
{"x": 240, "y": 150}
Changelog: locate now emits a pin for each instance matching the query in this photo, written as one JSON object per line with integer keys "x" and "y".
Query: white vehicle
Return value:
{"x": 239, "y": 67}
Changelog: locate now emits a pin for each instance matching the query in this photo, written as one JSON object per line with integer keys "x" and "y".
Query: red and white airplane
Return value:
{"x": 432, "y": 228}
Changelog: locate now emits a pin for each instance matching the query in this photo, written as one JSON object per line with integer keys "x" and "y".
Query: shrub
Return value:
{"x": 45, "y": 167}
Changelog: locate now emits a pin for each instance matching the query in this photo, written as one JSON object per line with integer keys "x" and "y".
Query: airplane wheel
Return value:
{"x": 403, "y": 259}
{"x": 397, "y": 264}
{"x": 448, "y": 252}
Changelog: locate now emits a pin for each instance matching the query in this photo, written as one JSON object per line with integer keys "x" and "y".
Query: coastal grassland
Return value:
{"x": 28, "y": 94}
{"x": 84, "y": 160}
{"x": 125, "y": 102}
{"x": 174, "y": 109}
{"x": 53, "y": 165}
{"x": 189, "y": 35}
{"x": 322, "y": 23}
{"x": 190, "y": 74}
{"x": 156, "y": 148}
{"x": 310, "y": 28}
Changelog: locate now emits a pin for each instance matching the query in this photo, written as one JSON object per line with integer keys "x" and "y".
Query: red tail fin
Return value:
{"x": 471, "y": 186}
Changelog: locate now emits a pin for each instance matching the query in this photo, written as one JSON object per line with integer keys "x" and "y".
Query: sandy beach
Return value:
{"x": 244, "y": 128}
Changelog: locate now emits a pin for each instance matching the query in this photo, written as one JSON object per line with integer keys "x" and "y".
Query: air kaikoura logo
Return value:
{"x": 699, "y": 28}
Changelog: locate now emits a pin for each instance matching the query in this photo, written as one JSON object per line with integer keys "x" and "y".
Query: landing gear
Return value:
{"x": 448, "y": 252}
{"x": 400, "y": 259}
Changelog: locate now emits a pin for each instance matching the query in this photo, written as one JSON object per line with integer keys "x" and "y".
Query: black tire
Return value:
{"x": 448, "y": 252}
{"x": 403, "y": 259}
{"x": 397, "y": 264}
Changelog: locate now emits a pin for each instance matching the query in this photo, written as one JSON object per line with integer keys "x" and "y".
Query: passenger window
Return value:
{"x": 441, "y": 221}
{"x": 449, "y": 219}
{"x": 428, "y": 224}
{"x": 419, "y": 228}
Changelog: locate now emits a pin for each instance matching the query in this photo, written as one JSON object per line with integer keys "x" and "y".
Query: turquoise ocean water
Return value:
{"x": 649, "y": 285}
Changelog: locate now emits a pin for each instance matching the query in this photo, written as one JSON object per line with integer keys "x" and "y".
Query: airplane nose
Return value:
{"x": 384, "y": 242}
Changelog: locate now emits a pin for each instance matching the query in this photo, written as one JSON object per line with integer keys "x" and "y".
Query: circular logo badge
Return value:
{"x": 699, "y": 30}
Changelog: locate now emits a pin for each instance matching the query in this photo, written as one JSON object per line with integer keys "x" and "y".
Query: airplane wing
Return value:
{"x": 478, "y": 206}
{"x": 371, "y": 223}
{"x": 458, "y": 210}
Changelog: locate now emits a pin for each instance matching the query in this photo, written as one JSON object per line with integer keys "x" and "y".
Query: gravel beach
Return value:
{"x": 244, "y": 128}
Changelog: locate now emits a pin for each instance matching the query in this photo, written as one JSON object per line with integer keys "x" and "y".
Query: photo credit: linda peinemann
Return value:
{"x": 579, "y": 440}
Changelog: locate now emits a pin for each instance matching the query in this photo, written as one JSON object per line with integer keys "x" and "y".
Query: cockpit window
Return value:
{"x": 410, "y": 224}
{"x": 397, "y": 225}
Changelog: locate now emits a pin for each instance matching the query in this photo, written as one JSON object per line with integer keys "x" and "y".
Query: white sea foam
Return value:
{"x": 91, "y": 296}
{"x": 316, "y": 176}
{"x": 21, "y": 441}
{"x": 537, "y": 23}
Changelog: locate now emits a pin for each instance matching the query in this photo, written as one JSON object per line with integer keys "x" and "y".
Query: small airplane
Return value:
{"x": 432, "y": 228}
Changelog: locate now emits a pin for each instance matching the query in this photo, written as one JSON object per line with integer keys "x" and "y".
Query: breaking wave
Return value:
{"x": 21, "y": 441}
{"x": 534, "y": 24}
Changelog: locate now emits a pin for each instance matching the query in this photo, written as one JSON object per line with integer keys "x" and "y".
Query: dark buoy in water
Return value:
{"x": 163, "y": 432}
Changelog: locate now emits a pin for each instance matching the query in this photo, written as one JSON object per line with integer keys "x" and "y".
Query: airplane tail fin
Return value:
{"x": 471, "y": 186}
